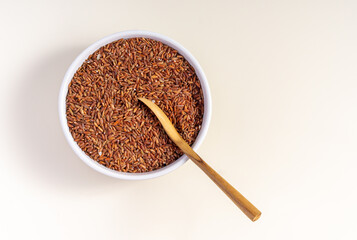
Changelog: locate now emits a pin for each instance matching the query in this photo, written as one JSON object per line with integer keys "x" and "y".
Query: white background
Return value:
{"x": 283, "y": 76}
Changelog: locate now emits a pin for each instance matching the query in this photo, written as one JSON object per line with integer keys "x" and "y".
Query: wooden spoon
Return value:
{"x": 248, "y": 209}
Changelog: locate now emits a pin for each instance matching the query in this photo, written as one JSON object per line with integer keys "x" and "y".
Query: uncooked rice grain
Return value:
{"x": 108, "y": 122}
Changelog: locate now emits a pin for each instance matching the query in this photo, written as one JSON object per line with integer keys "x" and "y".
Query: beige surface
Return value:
{"x": 283, "y": 78}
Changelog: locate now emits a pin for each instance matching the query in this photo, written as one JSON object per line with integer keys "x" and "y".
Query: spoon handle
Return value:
{"x": 247, "y": 208}
{"x": 239, "y": 200}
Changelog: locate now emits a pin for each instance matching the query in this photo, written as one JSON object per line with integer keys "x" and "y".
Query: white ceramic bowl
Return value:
{"x": 78, "y": 62}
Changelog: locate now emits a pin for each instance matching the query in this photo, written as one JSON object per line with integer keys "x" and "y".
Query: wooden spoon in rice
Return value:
{"x": 247, "y": 208}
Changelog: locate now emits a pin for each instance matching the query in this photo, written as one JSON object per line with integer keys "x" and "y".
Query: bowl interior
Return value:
{"x": 79, "y": 61}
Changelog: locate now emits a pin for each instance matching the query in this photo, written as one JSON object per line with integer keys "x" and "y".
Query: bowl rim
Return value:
{"x": 79, "y": 61}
